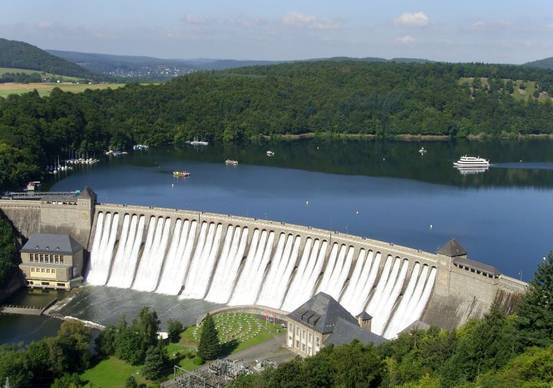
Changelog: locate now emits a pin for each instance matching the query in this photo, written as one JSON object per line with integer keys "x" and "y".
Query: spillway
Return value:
{"x": 231, "y": 261}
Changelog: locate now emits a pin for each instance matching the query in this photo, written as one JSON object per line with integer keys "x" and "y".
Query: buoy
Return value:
{"x": 357, "y": 212}
{"x": 172, "y": 185}
{"x": 430, "y": 226}
{"x": 306, "y": 203}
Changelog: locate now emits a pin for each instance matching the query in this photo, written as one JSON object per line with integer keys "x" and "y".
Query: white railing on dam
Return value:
{"x": 241, "y": 261}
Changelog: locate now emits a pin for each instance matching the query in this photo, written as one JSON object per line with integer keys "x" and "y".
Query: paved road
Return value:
{"x": 272, "y": 349}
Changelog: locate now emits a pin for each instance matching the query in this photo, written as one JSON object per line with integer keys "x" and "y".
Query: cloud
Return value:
{"x": 298, "y": 19}
{"x": 489, "y": 25}
{"x": 406, "y": 40}
{"x": 412, "y": 19}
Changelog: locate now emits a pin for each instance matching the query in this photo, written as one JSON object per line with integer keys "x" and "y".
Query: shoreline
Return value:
{"x": 404, "y": 137}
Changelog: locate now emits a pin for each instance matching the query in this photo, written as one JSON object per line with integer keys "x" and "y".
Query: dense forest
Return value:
{"x": 379, "y": 99}
{"x": 23, "y": 55}
{"x": 24, "y": 78}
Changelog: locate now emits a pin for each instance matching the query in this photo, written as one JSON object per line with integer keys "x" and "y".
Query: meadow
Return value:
{"x": 44, "y": 88}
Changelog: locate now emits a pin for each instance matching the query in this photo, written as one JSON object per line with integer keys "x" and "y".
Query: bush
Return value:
{"x": 198, "y": 360}
{"x": 174, "y": 328}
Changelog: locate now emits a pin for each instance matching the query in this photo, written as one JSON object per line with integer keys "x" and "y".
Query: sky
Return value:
{"x": 499, "y": 31}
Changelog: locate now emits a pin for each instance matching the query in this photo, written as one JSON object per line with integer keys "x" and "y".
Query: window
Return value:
{"x": 61, "y": 284}
{"x": 303, "y": 347}
{"x": 45, "y": 283}
{"x": 57, "y": 258}
{"x": 297, "y": 344}
{"x": 61, "y": 259}
{"x": 31, "y": 257}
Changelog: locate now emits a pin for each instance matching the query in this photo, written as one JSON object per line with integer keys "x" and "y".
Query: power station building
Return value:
{"x": 52, "y": 261}
{"x": 323, "y": 321}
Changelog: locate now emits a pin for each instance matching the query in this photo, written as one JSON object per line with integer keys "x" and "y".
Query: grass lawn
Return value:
{"x": 241, "y": 330}
{"x": 45, "y": 88}
{"x": 111, "y": 373}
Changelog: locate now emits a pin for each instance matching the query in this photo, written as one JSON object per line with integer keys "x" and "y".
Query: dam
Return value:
{"x": 240, "y": 261}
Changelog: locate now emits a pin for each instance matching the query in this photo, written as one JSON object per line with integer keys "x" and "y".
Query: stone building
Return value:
{"x": 52, "y": 261}
{"x": 322, "y": 321}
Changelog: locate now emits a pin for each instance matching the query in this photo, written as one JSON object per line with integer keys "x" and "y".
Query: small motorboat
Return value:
{"x": 181, "y": 174}
{"x": 230, "y": 162}
{"x": 422, "y": 151}
{"x": 270, "y": 154}
{"x": 32, "y": 186}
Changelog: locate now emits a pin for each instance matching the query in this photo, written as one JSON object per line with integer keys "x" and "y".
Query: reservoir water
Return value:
{"x": 383, "y": 190}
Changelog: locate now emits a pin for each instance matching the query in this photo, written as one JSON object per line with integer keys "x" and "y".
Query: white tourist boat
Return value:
{"x": 197, "y": 142}
{"x": 270, "y": 154}
{"x": 471, "y": 162}
{"x": 230, "y": 162}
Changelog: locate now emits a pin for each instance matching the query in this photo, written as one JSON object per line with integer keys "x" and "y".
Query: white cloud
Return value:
{"x": 489, "y": 25}
{"x": 412, "y": 19}
{"x": 298, "y": 19}
{"x": 406, "y": 40}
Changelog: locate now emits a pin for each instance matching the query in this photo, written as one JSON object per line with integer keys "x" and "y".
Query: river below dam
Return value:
{"x": 383, "y": 190}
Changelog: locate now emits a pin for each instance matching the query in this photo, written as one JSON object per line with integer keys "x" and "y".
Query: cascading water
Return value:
{"x": 177, "y": 264}
{"x": 228, "y": 265}
{"x": 151, "y": 261}
{"x": 99, "y": 269}
{"x": 124, "y": 267}
{"x": 250, "y": 282}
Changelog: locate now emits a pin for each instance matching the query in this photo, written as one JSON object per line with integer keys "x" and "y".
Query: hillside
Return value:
{"x": 151, "y": 68}
{"x": 21, "y": 55}
{"x": 546, "y": 63}
{"x": 143, "y": 67}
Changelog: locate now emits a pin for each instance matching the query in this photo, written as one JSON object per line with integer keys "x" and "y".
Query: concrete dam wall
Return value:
{"x": 243, "y": 261}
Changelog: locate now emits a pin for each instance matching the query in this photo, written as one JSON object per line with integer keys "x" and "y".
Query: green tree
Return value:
{"x": 13, "y": 368}
{"x": 129, "y": 346}
{"x": 535, "y": 314}
{"x": 131, "y": 382}
{"x": 8, "y": 252}
{"x": 155, "y": 363}
{"x": 147, "y": 326}
{"x": 209, "y": 347}
{"x": 69, "y": 351}
{"x": 509, "y": 87}
{"x": 68, "y": 381}
{"x": 483, "y": 345}
{"x": 174, "y": 329}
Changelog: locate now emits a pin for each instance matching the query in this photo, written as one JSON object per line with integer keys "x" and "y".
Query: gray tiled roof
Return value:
{"x": 345, "y": 332}
{"x": 364, "y": 315}
{"x": 452, "y": 248}
{"x": 476, "y": 265}
{"x": 53, "y": 243}
{"x": 321, "y": 313}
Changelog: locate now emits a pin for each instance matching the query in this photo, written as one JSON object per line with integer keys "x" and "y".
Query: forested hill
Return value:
{"x": 381, "y": 99}
{"x": 23, "y": 55}
{"x": 546, "y": 63}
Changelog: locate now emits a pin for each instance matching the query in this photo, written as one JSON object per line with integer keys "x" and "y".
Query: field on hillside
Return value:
{"x": 44, "y": 89}
{"x": 523, "y": 90}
